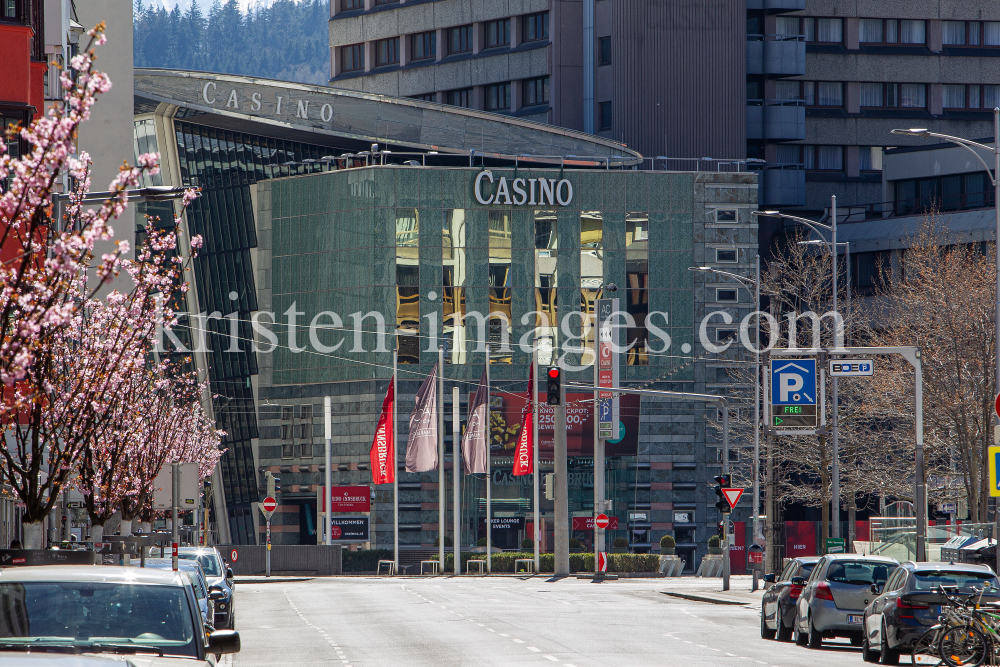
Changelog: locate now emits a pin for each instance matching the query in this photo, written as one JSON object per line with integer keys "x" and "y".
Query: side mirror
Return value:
{"x": 876, "y": 589}
{"x": 798, "y": 581}
{"x": 224, "y": 641}
{"x": 216, "y": 593}
{"x": 229, "y": 573}
{"x": 770, "y": 578}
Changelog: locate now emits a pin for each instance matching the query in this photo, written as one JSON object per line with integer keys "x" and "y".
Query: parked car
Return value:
{"x": 834, "y": 597}
{"x": 148, "y": 614}
{"x": 909, "y": 603}
{"x": 219, "y": 577}
{"x": 206, "y": 600}
{"x": 777, "y": 607}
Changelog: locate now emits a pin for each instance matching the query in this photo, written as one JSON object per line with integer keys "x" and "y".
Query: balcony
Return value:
{"x": 777, "y": 5}
{"x": 776, "y": 120}
{"x": 782, "y": 185}
{"x": 776, "y": 55}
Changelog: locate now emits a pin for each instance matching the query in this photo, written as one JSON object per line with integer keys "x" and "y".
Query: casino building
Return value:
{"x": 463, "y": 229}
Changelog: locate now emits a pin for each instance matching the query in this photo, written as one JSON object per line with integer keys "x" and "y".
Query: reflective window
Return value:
{"x": 546, "y": 252}
{"x": 500, "y": 286}
{"x": 591, "y": 274}
{"x": 454, "y": 277}
{"x": 408, "y": 285}
{"x": 637, "y": 287}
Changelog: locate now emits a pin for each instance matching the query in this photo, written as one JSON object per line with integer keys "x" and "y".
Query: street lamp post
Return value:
{"x": 832, "y": 228}
{"x": 971, "y": 146}
{"x": 756, "y": 395}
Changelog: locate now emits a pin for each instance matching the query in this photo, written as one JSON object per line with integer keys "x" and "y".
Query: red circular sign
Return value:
{"x": 269, "y": 504}
{"x": 335, "y": 532}
{"x": 602, "y": 521}
{"x": 234, "y": 556}
{"x": 996, "y": 405}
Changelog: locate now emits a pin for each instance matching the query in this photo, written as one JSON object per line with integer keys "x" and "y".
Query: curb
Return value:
{"x": 706, "y": 598}
{"x": 272, "y": 580}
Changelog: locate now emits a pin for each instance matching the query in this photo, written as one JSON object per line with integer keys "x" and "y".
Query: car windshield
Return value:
{"x": 88, "y": 614}
{"x": 209, "y": 563}
{"x": 930, "y": 579}
{"x": 863, "y": 573}
{"x": 806, "y": 569}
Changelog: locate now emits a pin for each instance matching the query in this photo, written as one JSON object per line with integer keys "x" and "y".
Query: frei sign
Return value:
{"x": 522, "y": 191}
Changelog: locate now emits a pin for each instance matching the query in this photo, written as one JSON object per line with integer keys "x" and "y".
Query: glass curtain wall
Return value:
{"x": 546, "y": 256}
{"x": 637, "y": 286}
{"x": 454, "y": 277}
{"x": 408, "y": 285}
{"x": 500, "y": 287}
{"x": 591, "y": 276}
{"x": 224, "y": 164}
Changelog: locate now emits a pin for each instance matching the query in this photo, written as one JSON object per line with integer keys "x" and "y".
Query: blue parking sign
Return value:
{"x": 793, "y": 382}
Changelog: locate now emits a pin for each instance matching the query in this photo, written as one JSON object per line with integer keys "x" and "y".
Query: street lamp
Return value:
{"x": 971, "y": 146}
{"x": 756, "y": 395}
{"x": 832, "y": 244}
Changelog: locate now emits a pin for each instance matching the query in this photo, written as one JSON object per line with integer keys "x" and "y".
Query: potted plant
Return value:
{"x": 714, "y": 545}
{"x": 527, "y": 545}
{"x": 619, "y": 546}
{"x": 667, "y": 545}
{"x": 575, "y": 546}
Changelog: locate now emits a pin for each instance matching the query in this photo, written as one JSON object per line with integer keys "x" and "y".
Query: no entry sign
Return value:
{"x": 269, "y": 504}
{"x": 601, "y": 521}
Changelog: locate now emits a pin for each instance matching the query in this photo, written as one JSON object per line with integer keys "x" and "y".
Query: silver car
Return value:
{"x": 833, "y": 600}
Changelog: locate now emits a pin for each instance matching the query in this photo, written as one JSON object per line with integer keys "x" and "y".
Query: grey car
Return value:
{"x": 220, "y": 578}
{"x": 833, "y": 600}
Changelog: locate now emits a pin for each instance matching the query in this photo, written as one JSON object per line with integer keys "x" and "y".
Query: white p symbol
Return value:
{"x": 787, "y": 383}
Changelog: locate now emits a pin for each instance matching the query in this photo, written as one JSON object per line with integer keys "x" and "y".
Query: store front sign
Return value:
{"x": 522, "y": 191}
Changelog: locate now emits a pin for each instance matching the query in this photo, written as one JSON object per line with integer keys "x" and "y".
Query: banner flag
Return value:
{"x": 383, "y": 451}
{"x": 525, "y": 441}
{"x": 422, "y": 443}
{"x": 474, "y": 443}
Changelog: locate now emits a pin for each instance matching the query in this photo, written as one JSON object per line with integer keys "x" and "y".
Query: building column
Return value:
{"x": 516, "y": 101}
{"x": 441, "y": 44}
{"x": 404, "y": 49}
{"x": 369, "y": 55}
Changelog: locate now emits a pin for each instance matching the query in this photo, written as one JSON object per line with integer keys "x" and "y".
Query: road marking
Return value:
{"x": 551, "y": 657}
{"x": 503, "y": 635}
{"x": 532, "y": 648}
{"x": 518, "y": 641}
{"x": 731, "y": 655}
{"x": 491, "y": 629}
{"x": 703, "y": 646}
{"x": 566, "y": 664}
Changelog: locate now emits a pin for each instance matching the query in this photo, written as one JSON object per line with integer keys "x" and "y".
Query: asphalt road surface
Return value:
{"x": 403, "y": 621}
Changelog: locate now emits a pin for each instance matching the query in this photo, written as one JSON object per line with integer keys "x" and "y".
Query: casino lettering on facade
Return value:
{"x": 521, "y": 191}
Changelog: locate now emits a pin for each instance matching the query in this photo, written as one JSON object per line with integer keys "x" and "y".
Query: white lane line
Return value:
{"x": 517, "y": 641}
{"x": 551, "y": 657}
{"x": 503, "y": 635}
{"x": 703, "y": 646}
{"x": 491, "y": 629}
{"x": 566, "y": 664}
{"x": 731, "y": 655}
{"x": 532, "y": 648}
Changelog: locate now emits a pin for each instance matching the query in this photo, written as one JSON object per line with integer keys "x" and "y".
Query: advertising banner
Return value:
{"x": 508, "y": 523}
{"x": 800, "y": 538}
{"x": 383, "y": 449}
{"x": 347, "y": 499}
{"x": 505, "y": 425}
{"x": 349, "y": 529}
{"x": 422, "y": 445}
{"x": 738, "y": 552}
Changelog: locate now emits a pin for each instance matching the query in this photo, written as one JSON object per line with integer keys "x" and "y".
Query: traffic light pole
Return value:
{"x": 561, "y": 536}
{"x": 725, "y": 515}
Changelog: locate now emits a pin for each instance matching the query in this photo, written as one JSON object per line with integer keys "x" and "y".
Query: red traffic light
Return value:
{"x": 554, "y": 373}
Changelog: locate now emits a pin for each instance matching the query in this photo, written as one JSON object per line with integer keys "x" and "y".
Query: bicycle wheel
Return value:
{"x": 963, "y": 646}
{"x": 925, "y": 649}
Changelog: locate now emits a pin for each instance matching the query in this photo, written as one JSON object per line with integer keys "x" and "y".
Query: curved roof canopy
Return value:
{"x": 368, "y": 118}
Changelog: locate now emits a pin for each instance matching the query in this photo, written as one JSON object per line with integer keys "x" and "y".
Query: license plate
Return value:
{"x": 853, "y": 618}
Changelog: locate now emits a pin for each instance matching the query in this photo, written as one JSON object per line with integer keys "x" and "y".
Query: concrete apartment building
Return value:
{"x": 814, "y": 92}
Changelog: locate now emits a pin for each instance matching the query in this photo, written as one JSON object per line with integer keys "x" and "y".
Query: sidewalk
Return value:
{"x": 273, "y": 579}
{"x": 704, "y": 589}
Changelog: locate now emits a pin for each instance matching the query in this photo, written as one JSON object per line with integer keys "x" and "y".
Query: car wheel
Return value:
{"x": 784, "y": 634}
{"x": 765, "y": 632}
{"x": 867, "y": 654}
{"x": 887, "y": 656}
{"x": 815, "y": 638}
{"x": 801, "y": 638}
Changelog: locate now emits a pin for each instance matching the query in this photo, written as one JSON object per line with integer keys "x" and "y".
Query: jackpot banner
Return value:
{"x": 505, "y": 425}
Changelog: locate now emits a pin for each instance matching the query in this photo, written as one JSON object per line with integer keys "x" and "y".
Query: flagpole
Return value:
{"x": 456, "y": 456}
{"x": 395, "y": 461}
{"x": 487, "y": 430}
{"x": 533, "y": 397}
{"x": 442, "y": 505}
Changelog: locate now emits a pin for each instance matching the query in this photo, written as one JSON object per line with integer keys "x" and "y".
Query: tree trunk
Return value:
{"x": 97, "y": 532}
{"x": 34, "y": 535}
{"x": 852, "y": 516}
{"x": 126, "y": 527}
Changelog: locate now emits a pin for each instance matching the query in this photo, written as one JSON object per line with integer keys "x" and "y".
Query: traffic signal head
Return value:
{"x": 553, "y": 384}
{"x": 721, "y": 503}
{"x": 722, "y": 480}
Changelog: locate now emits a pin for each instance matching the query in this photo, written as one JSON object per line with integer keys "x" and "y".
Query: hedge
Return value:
{"x": 367, "y": 561}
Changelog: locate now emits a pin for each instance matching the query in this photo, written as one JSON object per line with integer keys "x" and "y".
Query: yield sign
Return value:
{"x": 732, "y": 496}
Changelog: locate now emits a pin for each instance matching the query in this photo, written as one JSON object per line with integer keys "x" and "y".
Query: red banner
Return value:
{"x": 525, "y": 443}
{"x": 348, "y": 499}
{"x": 383, "y": 451}
{"x": 587, "y": 523}
{"x": 800, "y": 538}
{"x": 738, "y": 552}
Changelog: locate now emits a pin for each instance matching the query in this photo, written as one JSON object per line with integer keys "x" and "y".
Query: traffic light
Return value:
{"x": 555, "y": 377}
{"x": 721, "y": 529}
{"x": 273, "y": 484}
{"x": 550, "y": 486}
{"x": 721, "y": 504}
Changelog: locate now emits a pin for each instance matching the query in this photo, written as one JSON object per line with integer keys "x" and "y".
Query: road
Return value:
{"x": 409, "y": 621}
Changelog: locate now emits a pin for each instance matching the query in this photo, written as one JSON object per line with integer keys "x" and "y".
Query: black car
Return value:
{"x": 777, "y": 607}
{"x": 910, "y": 603}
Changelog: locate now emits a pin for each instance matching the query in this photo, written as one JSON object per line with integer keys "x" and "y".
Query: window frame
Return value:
{"x": 527, "y": 27}
{"x": 602, "y": 51}
{"x": 814, "y": 87}
{"x": 389, "y": 47}
{"x": 734, "y": 260}
{"x": 465, "y": 35}
{"x": 720, "y": 290}
{"x": 351, "y": 5}
{"x": 467, "y": 92}
{"x": 496, "y": 23}
{"x": 605, "y": 116}
{"x": 497, "y": 88}
{"x": 534, "y": 85}
{"x": 354, "y": 49}
{"x": 423, "y": 38}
